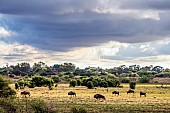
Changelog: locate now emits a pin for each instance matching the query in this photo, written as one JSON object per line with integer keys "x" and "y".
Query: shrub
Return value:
{"x": 79, "y": 82}
{"x": 144, "y": 79}
{"x": 90, "y": 84}
{"x": 132, "y": 85}
{"x": 125, "y": 80}
{"x": 7, "y": 106}
{"x": 78, "y": 110}
{"x": 104, "y": 84}
{"x": 5, "y": 90}
{"x": 56, "y": 79}
{"x": 73, "y": 83}
{"x": 41, "y": 81}
{"x": 38, "y": 106}
{"x": 21, "y": 83}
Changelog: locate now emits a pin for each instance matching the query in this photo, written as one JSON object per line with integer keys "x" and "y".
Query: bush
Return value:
{"x": 73, "y": 83}
{"x": 7, "y": 106}
{"x": 90, "y": 84}
{"x": 132, "y": 85}
{"x": 41, "y": 81}
{"x": 56, "y": 79}
{"x": 125, "y": 80}
{"x": 5, "y": 90}
{"x": 38, "y": 106}
{"x": 78, "y": 110}
{"x": 21, "y": 83}
{"x": 104, "y": 84}
{"x": 78, "y": 82}
{"x": 144, "y": 79}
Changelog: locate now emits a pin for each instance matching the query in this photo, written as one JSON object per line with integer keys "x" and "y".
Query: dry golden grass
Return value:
{"x": 156, "y": 99}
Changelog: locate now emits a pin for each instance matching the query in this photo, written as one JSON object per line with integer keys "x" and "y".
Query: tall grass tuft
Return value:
{"x": 78, "y": 110}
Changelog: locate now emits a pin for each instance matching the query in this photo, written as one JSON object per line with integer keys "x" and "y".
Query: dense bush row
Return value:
{"x": 35, "y": 81}
{"x": 95, "y": 82}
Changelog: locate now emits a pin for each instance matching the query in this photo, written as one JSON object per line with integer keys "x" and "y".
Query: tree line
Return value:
{"x": 67, "y": 71}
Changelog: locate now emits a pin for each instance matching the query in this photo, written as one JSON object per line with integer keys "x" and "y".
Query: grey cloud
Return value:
{"x": 61, "y": 25}
{"x": 146, "y": 4}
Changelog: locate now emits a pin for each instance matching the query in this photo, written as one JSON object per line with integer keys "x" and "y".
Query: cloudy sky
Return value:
{"x": 104, "y": 33}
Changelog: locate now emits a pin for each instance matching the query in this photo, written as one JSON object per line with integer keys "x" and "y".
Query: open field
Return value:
{"x": 157, "y": 99}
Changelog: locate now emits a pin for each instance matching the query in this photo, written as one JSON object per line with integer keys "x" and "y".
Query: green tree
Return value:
{"x": 42, "y": 81}
{"x": 132, "y": 85}
{"x": 90, "y": 84}
{"x": 73, "y": 83}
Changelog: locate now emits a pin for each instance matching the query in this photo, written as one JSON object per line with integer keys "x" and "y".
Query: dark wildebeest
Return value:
{"x": 115, "y": 92}
{"x": 142, "y": 93}
{"x": 130, "y": 91}
{"x": 99, "y": 96}
{"x": 25, "y": 93}
{"x": 120, "y": 86}
{"x": 72, "y": 93}
{"x": 56, "y": 85}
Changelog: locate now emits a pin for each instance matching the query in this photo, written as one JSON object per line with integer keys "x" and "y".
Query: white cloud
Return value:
{"x": 5, "y": 33}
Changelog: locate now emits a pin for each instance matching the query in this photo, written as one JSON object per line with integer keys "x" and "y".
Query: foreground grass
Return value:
{"x": 157, "y": 100}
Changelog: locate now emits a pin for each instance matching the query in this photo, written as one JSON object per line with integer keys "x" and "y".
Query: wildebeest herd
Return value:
{"x": 96, "y": 96}
{"x": 100, "y": 96}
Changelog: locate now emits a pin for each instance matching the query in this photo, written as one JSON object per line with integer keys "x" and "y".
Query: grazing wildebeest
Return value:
{"x": 120, "y": 86}
{"x": 99, "y": 96}
{"x": 115, "y": 92}
{"x": 56, "y": 85}
{"x": 142, "y": 93}
{"x": 130, "y": 91}
{"x": 72, "y": 93}
{"x": 25, "y": 93}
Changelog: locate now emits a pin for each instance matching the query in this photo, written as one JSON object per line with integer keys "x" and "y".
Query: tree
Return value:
{"x": 66, "y": 67}
{"x": 73, "y": 83}
{"x": 90, "y": 84}
{"x": 132, "y": 85}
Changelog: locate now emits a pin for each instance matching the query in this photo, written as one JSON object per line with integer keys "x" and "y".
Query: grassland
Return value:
{"x": 157, "y": 100}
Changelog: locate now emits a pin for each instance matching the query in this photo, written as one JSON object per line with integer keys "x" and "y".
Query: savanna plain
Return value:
{"x": 156, "y": 100}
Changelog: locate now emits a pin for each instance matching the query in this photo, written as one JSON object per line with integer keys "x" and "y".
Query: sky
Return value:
{"x": 97, "y": 33}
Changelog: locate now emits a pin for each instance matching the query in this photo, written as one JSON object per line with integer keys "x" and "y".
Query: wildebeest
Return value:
{"x": 115, "y": 92}
{"x": 130, "y": 91}
{"x": 25, "y": 93}
{"x": 56, "y": 85}
{"x": 120, "y": 86}
{"x": 99, "y": 96}
{"x": 72, "y": 93}
{"x": 142, "y": 93}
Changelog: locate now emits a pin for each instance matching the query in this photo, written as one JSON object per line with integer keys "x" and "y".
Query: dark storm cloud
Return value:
{"x": 61, "y": 25}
